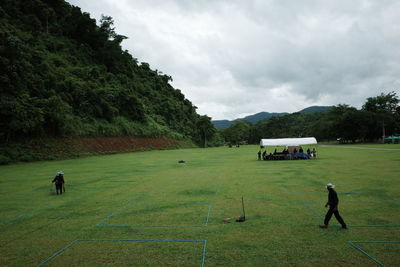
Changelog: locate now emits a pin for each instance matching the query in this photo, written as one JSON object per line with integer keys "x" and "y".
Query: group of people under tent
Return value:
{"x": 288, "y": 153}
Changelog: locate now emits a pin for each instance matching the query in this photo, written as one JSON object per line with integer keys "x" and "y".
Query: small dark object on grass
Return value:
{"x": 241, "y": 219}
{"x": 181, "y": 161}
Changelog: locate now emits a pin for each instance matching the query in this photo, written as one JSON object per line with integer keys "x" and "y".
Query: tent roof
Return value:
{"x": 288, "y": 141}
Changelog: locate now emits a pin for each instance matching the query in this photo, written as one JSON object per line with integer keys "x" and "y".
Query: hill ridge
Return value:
{"x": 263, "y": 115}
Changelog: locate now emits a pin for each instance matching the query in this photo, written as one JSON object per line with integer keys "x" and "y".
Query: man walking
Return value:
{"x": 333, "y": 202}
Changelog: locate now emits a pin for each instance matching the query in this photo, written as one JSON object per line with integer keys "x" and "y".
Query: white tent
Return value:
{"x": 288, "y": 141}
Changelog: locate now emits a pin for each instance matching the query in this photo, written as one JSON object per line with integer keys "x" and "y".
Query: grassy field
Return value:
{"x": 146, "y": 209}
{"x": 383, "y": 146}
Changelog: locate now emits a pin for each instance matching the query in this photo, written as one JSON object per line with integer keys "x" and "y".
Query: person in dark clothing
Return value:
{"x": 333, "y": 202}
{"x": 301, "y": 150}
{"x": 59, "y": 182}
{"x": 309, "y": 152}
{"x": 259, "y": 155}
{"x": 263, "y": 155}
{"x": 314, "y": 153}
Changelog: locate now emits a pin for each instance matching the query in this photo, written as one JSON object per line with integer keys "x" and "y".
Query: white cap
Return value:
{"x": 330, "y": 186}
{"x": 60, "y": 172}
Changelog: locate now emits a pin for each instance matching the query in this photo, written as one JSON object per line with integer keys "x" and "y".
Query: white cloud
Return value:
{"x": 234, "y": 58}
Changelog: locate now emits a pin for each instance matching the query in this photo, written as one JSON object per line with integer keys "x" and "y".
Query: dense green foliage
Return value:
{"x": 379, "y": 116}
{"x": 237, "y": 132}
{"x": 63, "y": 75}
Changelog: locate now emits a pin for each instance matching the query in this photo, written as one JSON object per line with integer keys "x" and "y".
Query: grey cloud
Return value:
{"x": 232, "y": 57}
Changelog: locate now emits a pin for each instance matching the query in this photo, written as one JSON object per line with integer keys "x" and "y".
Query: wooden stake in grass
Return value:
{"x": 243, "y": 217}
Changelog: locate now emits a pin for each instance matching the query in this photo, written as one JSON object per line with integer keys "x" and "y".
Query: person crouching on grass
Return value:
{"x": 333, "y": 202}
{"x": 59, "y": 181}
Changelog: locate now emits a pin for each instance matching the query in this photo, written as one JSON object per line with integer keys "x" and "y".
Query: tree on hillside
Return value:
{"x": 206, "y": 128}
{"x": 238, "y": 131}
{"x": 106, "y": 26}
{"x": 338, "y": 122}
{"x": 353, "y": 125}
{"x": 385, "y": 107}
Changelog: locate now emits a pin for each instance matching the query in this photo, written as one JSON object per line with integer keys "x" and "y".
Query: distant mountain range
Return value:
{"x": 221, "y": 124}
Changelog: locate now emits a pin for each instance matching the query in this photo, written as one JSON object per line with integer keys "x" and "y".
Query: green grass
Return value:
{"x": 284, "y": 201}
{"x": 388, "y": 146}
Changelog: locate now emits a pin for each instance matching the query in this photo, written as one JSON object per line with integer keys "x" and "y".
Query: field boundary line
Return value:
{"x": 102, "y": 222}
{"x": 41, "y": 206}
{"x": 122, "y": 240}
{"x": 352, "y": 243}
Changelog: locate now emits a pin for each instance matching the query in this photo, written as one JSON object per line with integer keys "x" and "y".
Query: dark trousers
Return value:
{"x": 59, "y": 187}
{"x": 337, "y": 216}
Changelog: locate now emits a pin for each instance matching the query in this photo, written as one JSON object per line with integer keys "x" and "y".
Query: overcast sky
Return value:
{"x": 233, "y": 58}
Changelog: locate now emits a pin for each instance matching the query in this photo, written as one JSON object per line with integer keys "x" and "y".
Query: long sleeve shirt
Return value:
{"x": 333, "y": 199}
{"x": 59, "y": 179}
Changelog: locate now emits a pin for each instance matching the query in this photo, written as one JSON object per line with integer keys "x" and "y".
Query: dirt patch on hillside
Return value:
{"x": 62, "y": 148}
{"x": 84, "y": 145}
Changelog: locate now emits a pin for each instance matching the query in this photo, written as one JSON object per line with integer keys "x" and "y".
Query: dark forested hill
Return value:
{"x": 313, "y": 109}
{"x": 64, "y": 75}
{"x": 221, "y": 124}
{"x": 262, "y": 116}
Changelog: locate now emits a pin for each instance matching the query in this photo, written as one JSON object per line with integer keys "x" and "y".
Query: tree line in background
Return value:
{"x": 64, "y": 75}
{"x": 378, "y": 117}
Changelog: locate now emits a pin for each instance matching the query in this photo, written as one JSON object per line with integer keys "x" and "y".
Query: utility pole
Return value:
{"x": 47, "y": 23}
{"x": 383, "y": 131}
